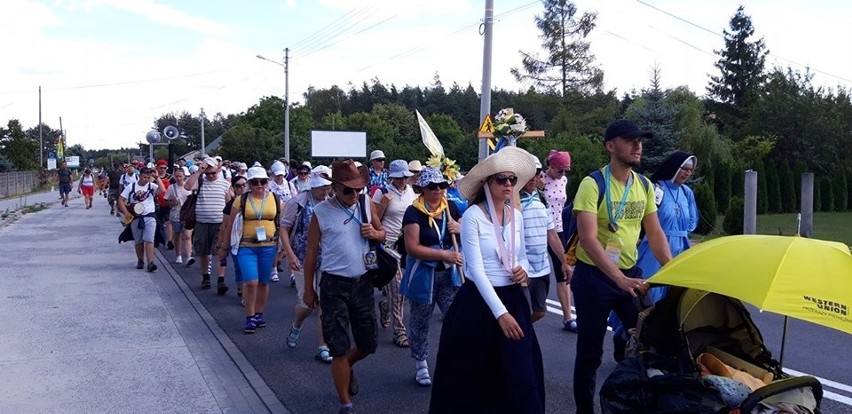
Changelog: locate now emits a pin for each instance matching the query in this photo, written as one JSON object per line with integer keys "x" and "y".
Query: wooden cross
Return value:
{"x": 486, "y": 131}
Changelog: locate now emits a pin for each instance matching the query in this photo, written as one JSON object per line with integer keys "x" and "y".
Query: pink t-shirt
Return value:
{"x": 554, "y": 192}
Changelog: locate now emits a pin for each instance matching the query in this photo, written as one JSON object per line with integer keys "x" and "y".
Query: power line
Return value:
{"x": 301, "y": 42}
{"x": 331, "y": 34}
{"x": 808, "y": 67}
{"x": 418, "y": 49}
{"x": 117, "y": 83}
{"x": 351, "y": 36}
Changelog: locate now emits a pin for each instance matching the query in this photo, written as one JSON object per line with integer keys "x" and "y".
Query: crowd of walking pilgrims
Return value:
{"x": 481, "y": 247}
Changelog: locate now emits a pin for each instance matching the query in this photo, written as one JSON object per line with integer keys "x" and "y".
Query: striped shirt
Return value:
{"x": 537, "y": 222}
{"x": 211, "y": 200}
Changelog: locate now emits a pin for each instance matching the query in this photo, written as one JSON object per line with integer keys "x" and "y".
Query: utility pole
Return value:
{"x": 485, "y": 97}
{"x": 202, "y": 133}
{"x": 40, "y": 139}
{"x": 287, "y": 104}
{"x": 61, "y": 143}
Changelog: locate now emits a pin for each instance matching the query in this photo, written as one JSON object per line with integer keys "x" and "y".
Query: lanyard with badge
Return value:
{"x": 259, "y": 231}
{"x": 614, "y": 245}
{"x": 369, "y": 256}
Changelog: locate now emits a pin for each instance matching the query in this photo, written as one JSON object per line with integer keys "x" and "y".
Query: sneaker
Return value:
{"x": 250, "y": 327}
{"x": 293, "y": 337}
{"x": 205, "y": 281}
{"x": 346, "y": 410}
{"x": 151, "y": 267}
{"x": 170, "y": 245}
{"x": 570, "y": 325}
{"x": 221, "y": 288}
{"x": 258, "y": 320}
{"x": 292, "y": 281}
{"x": 239, "y": 291}
{"x": 140, "y": 264}
{"x": 278, "y": 267}
{"x": 275, "y": 277}
{"x": 111, "y": 211}
{"x": 178, "y": 260}
{"x": 190, "y": 261}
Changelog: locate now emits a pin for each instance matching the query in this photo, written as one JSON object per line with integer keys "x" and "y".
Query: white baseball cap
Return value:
{"x": 256, "y": 172}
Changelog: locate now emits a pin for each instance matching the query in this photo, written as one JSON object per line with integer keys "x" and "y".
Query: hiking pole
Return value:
{"x": 456, "y": 248}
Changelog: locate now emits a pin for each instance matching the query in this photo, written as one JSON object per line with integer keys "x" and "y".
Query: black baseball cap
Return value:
{"x": 626, "y": 129}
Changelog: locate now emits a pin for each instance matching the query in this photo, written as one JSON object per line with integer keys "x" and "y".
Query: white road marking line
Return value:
{"x": 825, "y": 382}
{"x": 837, "y": 397}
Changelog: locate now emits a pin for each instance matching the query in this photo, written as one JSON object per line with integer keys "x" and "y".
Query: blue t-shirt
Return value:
{"x": 454, "y": 196}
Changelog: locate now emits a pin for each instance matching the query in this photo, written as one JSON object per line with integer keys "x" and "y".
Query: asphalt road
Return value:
{"x": 304, "y": 385}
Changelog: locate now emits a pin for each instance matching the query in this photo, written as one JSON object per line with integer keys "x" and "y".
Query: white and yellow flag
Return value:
{"x": 429, "y": 139}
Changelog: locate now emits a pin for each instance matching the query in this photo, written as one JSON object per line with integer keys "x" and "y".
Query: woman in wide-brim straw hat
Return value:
{"x": 489, "y": 359}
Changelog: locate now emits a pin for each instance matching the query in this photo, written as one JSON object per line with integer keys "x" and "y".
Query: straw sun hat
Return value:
{"x": 512, "y": 159}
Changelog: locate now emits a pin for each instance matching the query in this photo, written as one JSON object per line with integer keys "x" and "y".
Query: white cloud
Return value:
{"x": 170, "y": 16}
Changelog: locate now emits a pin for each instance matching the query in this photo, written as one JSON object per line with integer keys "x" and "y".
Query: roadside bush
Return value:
{"x": 706, "y": 208}
{"x": 841, "y": 197}
{"x": 826, "y": 195}
{"x": 733, "y": 222}
{"x": 787, "y": 188}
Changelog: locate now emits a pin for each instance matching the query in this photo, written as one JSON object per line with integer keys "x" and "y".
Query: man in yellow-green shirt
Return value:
{"x": 606, "y": 277}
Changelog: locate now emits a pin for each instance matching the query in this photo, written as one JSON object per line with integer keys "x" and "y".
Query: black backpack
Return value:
{"x": 570, "y": 238}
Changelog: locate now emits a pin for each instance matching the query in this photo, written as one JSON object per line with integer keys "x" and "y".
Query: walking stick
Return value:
{"x": 456, "y": 248}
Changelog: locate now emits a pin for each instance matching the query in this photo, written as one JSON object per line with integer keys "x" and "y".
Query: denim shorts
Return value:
{"x": 256, "y": 263}
{"x": 345, "y": 302}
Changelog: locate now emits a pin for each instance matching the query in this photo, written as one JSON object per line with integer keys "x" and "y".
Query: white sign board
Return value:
{"x": 51, "y": 163}
{"x": 334, "y": 144}
{"x": 73, "y": 161}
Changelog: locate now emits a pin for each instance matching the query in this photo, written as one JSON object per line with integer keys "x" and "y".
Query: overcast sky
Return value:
{"x": 109, "y": 68}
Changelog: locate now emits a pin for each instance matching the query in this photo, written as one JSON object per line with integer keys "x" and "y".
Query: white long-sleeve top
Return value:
{"x": 481, "y": 262}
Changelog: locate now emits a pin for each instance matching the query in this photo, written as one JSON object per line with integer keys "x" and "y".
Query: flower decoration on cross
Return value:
{"x": 508, "y": 127}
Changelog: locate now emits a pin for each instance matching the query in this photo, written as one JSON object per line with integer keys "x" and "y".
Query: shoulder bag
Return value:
{"x": 388, "y": 265}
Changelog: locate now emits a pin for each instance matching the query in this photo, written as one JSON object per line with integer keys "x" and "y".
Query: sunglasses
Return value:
{"x": 239, "y": 185}
{"x": 211, "y": 174}
{"x": 349, "y": 190}
{"x": 503, "y": 179}
{"x": 258, "y": 182}
{"x": 379, "y": 160}
{"x": 435, "y": 186}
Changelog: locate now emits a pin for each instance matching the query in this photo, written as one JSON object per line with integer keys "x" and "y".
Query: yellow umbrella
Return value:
{"x": 803, "y": 278}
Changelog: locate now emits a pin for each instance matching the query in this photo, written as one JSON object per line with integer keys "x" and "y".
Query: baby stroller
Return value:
{"x": 674, "y": 357}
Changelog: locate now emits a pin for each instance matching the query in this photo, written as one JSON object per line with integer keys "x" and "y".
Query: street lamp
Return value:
{"x": 285, "y": 65}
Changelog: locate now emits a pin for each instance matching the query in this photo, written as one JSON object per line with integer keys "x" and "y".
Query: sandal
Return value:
{"x": 570, "y": 325}
{"x": 293, "y": 337}
{"x": 422, "y": 378}
{"x": 323, "y": 355}
{"x": 400, "y": 339}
